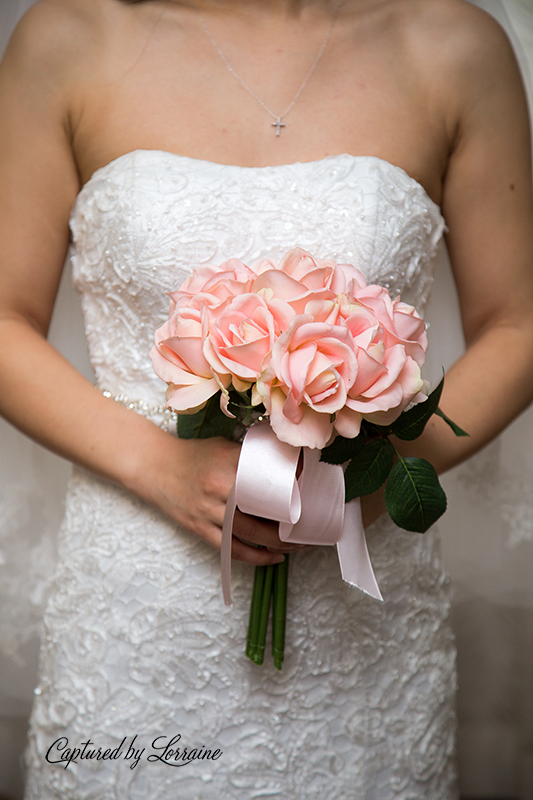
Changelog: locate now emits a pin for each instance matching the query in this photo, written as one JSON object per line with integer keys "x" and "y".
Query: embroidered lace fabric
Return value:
{"x": 136, "y": 638}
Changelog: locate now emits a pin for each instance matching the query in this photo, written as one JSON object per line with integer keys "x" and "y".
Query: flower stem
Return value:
{"x": 270, "y": 585}
{"x": 263, "y": 615}
{"x": 279, "y": 611}
{"x": 255, "y": 611}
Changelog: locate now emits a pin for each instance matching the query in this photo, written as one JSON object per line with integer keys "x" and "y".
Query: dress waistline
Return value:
{"x": 158, "y": 414}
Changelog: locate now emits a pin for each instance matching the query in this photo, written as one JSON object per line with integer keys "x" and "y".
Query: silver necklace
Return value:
{"x": 278, "y": 124}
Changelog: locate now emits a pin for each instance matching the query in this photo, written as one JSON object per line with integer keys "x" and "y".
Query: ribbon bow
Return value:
{"x": 310, "y": 509}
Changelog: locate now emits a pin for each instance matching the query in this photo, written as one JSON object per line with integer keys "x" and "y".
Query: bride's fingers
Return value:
{"x": 241, "y": 551}
{"x": 259, "y": 531}
{"x": 254, "y": 541}
{"x": 257, "y": 556}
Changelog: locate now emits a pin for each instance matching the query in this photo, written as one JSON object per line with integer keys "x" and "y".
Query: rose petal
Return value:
{"x": 195, "y": 395}
{"x": 348, "y": 422}
{"x": 313, "y": 430}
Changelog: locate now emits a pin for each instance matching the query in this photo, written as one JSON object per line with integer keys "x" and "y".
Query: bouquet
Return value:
{"x": 303, "y": 354}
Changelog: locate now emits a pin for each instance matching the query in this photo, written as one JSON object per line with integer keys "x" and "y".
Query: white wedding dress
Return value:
{"x": 137, "y": 640}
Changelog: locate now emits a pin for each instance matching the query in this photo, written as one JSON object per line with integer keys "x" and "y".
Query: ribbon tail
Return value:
{"x": 354, "y": 560}
{"x": 225, "y": 550}
{"x": 322, "y": 503}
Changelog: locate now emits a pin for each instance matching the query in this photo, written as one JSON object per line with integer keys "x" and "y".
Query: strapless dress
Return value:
{"x": 138, "y": 649}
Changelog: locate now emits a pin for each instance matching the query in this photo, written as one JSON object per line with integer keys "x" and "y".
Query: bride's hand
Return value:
{"x": 373, "y": 507}
{"x": 194, "y": 479}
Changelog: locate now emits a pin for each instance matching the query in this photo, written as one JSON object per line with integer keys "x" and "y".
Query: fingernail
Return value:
{"x": 278, "y": 559}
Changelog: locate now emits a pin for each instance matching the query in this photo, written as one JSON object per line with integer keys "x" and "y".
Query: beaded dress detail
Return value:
{"x": 137, "y": 640}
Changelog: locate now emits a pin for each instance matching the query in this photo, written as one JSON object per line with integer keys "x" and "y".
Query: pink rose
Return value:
{"x": 392, "y": 343}
{"x": 274, "y": 283}
{"x": 302, "y": 266}
{"x": 178, "y": 359}
{"x": 211, "y": 286}
{"x": 306, "y": 380}
{"x": 387, "y": 382}
{"x": 209, "y": 277}
{"x": 400, "y": 322}
{"x": 242, "y": 335}
{"x": 320, "y": 273}
{"x": 410, "y": 330}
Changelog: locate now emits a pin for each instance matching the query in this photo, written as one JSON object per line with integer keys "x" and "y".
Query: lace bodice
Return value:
{"x": 142, "y": 222}
{"x": 137, "y": 639}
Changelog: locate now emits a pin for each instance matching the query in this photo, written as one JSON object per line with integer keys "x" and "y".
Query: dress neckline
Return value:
{"x": 202, "y": 163}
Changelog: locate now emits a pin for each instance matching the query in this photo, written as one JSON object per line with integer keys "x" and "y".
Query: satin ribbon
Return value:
{"x": 310, "y": 509}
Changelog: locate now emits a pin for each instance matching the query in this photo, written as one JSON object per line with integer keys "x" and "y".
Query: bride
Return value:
{"x": 124, "y": 117}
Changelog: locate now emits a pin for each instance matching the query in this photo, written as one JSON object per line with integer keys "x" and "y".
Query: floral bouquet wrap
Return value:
{"x": 310, "y": 364}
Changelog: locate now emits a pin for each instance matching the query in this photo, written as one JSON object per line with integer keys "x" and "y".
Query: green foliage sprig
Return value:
{"x": 413, "y": 496}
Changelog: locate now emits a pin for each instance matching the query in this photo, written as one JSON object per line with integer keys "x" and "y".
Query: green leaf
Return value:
{"x": 370, "y": 469}
{"x": 342, "y": 450}
{"x": 455, "y": 428}
{"x": 410, "y": 424}
{"x": 413, "y": 495}
{"x": 209, "y": 421}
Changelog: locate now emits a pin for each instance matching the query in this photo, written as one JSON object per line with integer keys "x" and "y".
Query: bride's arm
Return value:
{"x": 488, "y": 207}
{"x": 40, "y": 392}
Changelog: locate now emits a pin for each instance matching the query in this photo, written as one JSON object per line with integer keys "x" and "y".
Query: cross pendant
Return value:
{"x": 278, "y": 125}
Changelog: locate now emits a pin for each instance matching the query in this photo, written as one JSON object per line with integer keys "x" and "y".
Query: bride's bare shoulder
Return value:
{"x": 458, "y": 40}
{"x": 468, "y": 68}
{"x": 57, "y": 38}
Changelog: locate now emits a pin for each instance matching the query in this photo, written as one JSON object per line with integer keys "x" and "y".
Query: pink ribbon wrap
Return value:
{"x": 310, "y": 509}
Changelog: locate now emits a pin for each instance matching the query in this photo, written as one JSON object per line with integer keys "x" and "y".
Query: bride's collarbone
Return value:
{"x": 246, "y": 136}
{"x": 188, "y": 102}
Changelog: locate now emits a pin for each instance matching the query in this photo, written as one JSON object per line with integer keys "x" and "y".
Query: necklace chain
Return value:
{"x": 278, "y": 124}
